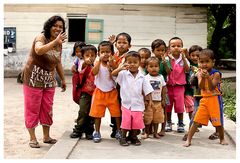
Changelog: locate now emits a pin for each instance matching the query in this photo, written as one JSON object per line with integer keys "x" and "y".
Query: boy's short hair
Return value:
{"x": 132, "y": 54}
{"x": 156, "y": 43}
{"x": 146, "y": 50}
{"x": 175, "y": 38}
{"x": 125, "y": 35}
{"x": 194, "y": 48}
{"x": 152, "y": 59}
{"x": 88, "y": 47}
{"x": 106, "y": 43}
{"x": 207, "y": 52}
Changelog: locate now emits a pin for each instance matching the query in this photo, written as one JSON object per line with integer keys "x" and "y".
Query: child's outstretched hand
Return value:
{"x": 112, "y": 38}
{"x": 184, "y": 52}
{"x": 204, "y": 73}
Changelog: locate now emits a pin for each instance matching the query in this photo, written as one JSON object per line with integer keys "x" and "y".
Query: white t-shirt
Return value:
{"x": 80, "y": 63}
{"x": 132, "y": 89}
{"x": 103, "y": 80}
{"x": 157, "y": 83}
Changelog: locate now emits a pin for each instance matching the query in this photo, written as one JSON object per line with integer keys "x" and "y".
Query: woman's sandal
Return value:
{"x": 34, "y": 144}
{"x": 50, "y": 141}
{"x": 214, "y": 136}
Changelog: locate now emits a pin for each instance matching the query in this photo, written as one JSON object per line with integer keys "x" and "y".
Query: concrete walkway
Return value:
{"x": 168, "y": 147}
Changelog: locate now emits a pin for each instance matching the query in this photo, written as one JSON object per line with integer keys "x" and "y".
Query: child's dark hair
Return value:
{"x": 106, "y": 43}
{"x": 146, "y": 50}
{"x": 194, "y": 48}
{"x": 207, "y": 52}
{"x": 50, "y": 23}
{"x": 174, "y": 38}
{"x": 132, "y": 54}
{"x": 152, "y": 59}
{"x": 125, "y": 35}
{"x": 88, "y": 47}
{"x": 156, "y": 43}
{"x": 79, "y": 45}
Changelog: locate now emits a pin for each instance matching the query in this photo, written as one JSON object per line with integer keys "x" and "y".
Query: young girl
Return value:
{"x": 144, "y": 55}
{"x": 77, "y": 63}
{"x": 211, "y": 103}
{"x": 84, "y": 121}
{"x": 176, "y": 82}
{"x": 154, "y": 114}
{"x": 159, "y": 49}
{"x": 123, "y": 44}
{"x": 132, "y": 86}
{"x": 105, "y": 94}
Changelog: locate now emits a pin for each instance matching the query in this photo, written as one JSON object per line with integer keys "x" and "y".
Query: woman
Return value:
{"x": 38, "y": 78}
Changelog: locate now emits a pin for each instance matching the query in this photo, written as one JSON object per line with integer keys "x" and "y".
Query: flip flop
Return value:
{"x": 50, "y": 141}
{"x": 214, "y": 136}
{"x": 34, "y": 144}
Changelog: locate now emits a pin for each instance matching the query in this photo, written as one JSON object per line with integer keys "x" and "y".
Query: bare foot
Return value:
{"x": 185, "y": 137}
{"x": 223, "y": 142}
{"x": 156, "y": 136}
{"x": 145, "y": 136}
{"x": 161, "y": 133}
{"x": 187, "y": 144}
{"x": 197, "y": 130}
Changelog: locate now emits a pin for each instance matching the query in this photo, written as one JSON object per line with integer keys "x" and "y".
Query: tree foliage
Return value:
{"x": 222, "y": 30}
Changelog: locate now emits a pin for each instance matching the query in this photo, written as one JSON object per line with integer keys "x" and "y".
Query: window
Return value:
{"x": 10, "y": 39}
{"x": 82, "y": 29}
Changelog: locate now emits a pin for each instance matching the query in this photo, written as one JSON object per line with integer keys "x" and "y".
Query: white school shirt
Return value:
{"x": 103, "y": 80}
{"x": 132, "y": 89}
{"x": 157, "y": 83}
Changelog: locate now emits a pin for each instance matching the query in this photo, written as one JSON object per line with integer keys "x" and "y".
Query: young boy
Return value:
{"x": 132, "y": 86}
{"x": 84, "y": 121}
{"x": 211, "y": 103}
{"x": 105, "y": 94}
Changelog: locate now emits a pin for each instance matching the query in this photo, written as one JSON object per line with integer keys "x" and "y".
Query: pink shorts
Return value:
{"x": 189, "y": 103}
{"x": 131, "y": 119}
{"x": 38, "y": 104}
{"x": 176, "y": 98}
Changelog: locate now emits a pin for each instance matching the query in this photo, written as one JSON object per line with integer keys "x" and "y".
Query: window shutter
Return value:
{"x": 94, "y": 31}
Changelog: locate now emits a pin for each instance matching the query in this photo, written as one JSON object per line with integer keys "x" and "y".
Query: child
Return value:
{"x": 159, "y": 49}
{"x": 132, "y": 86}
{"x": 192, "y": 99}
{"x": 123, "y": 44}
{"x": 144, "y": 55}
{"x": 105, "y": 94}
{"x": 211, "y": 103}
{"x": 77, "y": 64}
{"x": 176, "y": 81}
{"x": 188, "y": 95}
{"x": 84, "y": 121}
{"x": 154, "y": 114}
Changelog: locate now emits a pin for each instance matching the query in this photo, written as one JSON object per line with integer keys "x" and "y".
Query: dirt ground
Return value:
{"x": 16, "y": 136}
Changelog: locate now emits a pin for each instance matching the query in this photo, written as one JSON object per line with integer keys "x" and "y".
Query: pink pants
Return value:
{"x": 131, "y": 119}
{"x": 38, "y": 104}
{"x": 176, "y": 98}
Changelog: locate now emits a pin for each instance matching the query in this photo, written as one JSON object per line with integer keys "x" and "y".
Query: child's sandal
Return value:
{"x": 34, "y": 144}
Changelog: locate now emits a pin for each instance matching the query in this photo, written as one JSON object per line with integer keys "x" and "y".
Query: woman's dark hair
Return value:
{"x": 132, "y": 54}
{"x": 51, "y": 22}
{"x": 156, "y": 43}
{"x": 207, "y": 52}
{"x": 128, "y": 37}
{"x": 106, "y": 43}
{"x": 88, "y": 47}
{"x": 77, "y": 44}
{"x": 194, "y": 48}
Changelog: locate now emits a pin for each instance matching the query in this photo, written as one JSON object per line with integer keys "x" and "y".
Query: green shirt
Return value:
{"x": 163, "y": 71}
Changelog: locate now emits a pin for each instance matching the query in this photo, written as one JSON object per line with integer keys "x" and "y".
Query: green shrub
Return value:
{"x": 229, "y": 99}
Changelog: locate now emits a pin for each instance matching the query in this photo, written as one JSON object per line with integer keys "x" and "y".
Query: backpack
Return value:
{"x": 78, "y": 80}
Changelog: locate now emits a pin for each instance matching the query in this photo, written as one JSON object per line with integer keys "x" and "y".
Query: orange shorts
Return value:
{"x": 210, "y": 108}
{"x": 154, "y": 114}
{"x": 102, "y": 100}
